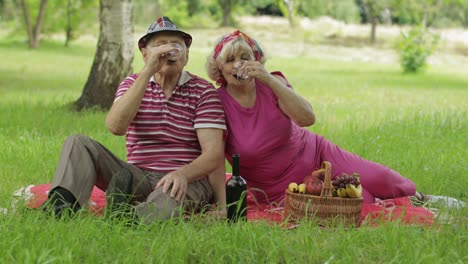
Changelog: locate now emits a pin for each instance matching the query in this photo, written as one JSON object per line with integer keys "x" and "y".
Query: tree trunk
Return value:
{"x": 68, "y": 27}
{"x": 226, "y": 14}
{"x": 114, "y": 55}
{"x": 34, "y": 35}
{"x": 373, "y": 29}
{"x": 425, "y": 14}
{"x": 38, "y": 26}
{"x": 289, "y": 4}
{"x": 27, "y": 20}
{"x": 465, "y": 19}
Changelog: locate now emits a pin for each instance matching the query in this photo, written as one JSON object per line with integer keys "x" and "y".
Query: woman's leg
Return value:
{"x": 377, "y": 180}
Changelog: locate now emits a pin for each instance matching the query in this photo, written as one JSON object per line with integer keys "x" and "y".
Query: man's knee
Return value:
{"x": 200, "y": 192}
{"x": 158, "y": 206}
{"x": 77, "y": 139}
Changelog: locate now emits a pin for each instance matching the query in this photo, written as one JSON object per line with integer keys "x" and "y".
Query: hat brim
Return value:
{"x": 143, "y": 40}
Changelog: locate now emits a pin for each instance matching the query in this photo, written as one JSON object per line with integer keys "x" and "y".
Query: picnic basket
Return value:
{"x": 325, "y": 208}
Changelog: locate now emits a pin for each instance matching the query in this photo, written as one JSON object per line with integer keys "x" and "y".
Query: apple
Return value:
{"x": 308, "y": 178}
{"x": 313, "y": 185}
{"x": 319, "y": 174}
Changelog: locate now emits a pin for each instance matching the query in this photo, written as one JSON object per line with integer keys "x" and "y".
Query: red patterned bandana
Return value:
{"x": 237, "y": 34}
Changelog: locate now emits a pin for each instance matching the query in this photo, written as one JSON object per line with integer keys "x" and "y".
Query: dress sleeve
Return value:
{"x": 278, "y": 73}
{"x": 270, "y": 92}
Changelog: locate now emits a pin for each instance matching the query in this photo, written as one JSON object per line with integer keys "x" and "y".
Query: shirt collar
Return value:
{"x": 184, "y": 78}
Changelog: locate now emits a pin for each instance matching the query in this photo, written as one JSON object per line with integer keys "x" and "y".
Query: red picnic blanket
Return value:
{"x": 397, "y": 209}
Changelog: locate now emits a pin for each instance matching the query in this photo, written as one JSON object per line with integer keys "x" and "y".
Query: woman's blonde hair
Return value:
{"x": 228, "y": 49}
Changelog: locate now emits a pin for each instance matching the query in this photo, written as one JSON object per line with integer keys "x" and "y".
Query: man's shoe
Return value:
{"x": 59, "y": 210}
{"x": 119, "y": 191}
{"x": 61, "y": 202}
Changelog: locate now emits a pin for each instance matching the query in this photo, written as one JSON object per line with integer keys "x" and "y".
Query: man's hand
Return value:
{"x": 156, "y": 57}
{"x": 174, "y": 183}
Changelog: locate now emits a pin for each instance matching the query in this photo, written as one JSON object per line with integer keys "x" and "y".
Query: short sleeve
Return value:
{"x": 278, "y": 73}
{"x": 209, "y": 112}
{"x": 124, "y": 85}
{"x": 271, "y": 93}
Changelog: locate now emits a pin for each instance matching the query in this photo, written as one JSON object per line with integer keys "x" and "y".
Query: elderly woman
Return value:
{"x": 265, "y": 120}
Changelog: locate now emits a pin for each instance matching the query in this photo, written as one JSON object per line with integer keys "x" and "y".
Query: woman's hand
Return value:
{"x": 290, "y": 103}
{"x": 254, "y": 69}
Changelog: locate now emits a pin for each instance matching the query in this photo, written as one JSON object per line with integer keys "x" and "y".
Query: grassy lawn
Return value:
{"x": 415, "y": 124}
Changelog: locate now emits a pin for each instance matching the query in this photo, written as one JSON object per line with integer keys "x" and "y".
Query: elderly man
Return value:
{"x": 174, "y": 124}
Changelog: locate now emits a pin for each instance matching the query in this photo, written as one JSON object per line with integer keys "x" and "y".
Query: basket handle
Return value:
{"x": 327, "y": 190}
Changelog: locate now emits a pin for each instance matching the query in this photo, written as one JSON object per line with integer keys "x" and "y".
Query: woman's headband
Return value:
{"x": 258, "y": 53}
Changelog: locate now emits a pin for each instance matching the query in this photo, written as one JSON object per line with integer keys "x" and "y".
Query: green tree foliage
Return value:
{"x": 289, "y": 9}
{"x": 75, "y": 17}
{"x": 146, "y": 11}
{"x": 452, "y": 13}
{"x": 344, "y": 10}
{"x": 431, "y": 13}
{"x": 462, "y": 12}
{"x": 72, "y": 17}
{"x": 193, "y": 7}
{"x": 373, "y": 10}
{"x": 414, "y": 47}
{"x": 414, "y": 11}
{"x": 227, "y": 7}
{"x": 262, "y": 7}
{"x": 176, "y": 10}
{"x": 185, "y": 13}
{"x": 7, "y": 10}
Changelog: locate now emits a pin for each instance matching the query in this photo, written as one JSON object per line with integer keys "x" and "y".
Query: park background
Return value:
{"x": 412, "y": 119}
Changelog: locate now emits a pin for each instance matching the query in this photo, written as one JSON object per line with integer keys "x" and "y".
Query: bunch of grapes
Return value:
{"x": 343, "y": 180}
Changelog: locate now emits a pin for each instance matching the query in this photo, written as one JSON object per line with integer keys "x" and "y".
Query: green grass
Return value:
{"x": 416, "y": 124}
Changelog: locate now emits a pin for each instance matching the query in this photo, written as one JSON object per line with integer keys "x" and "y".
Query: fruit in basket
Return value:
{"x": 313, "y": 185}
{"x": 301, "y": 188}
{"x": 308, "y": 178}
{"x": 293, "y": 187}
{"x": 353, "y": 191}
{"x": 319, "y": 174}
{"x": 341, "y": 192}
{"x": 347, "y": 186}
{"x": 342, "y": 180}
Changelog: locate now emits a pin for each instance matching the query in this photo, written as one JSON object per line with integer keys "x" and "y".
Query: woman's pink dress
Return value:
{"x": 274, "y": 151}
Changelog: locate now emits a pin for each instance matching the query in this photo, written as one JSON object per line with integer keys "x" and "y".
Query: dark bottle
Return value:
{"x": 236, "y": 193}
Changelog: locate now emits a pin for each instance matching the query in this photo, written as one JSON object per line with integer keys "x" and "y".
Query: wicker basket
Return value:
{"x": 325, "y": 208}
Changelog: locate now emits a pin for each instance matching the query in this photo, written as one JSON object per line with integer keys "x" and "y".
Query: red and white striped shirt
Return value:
{"x": 162, "y": 135}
